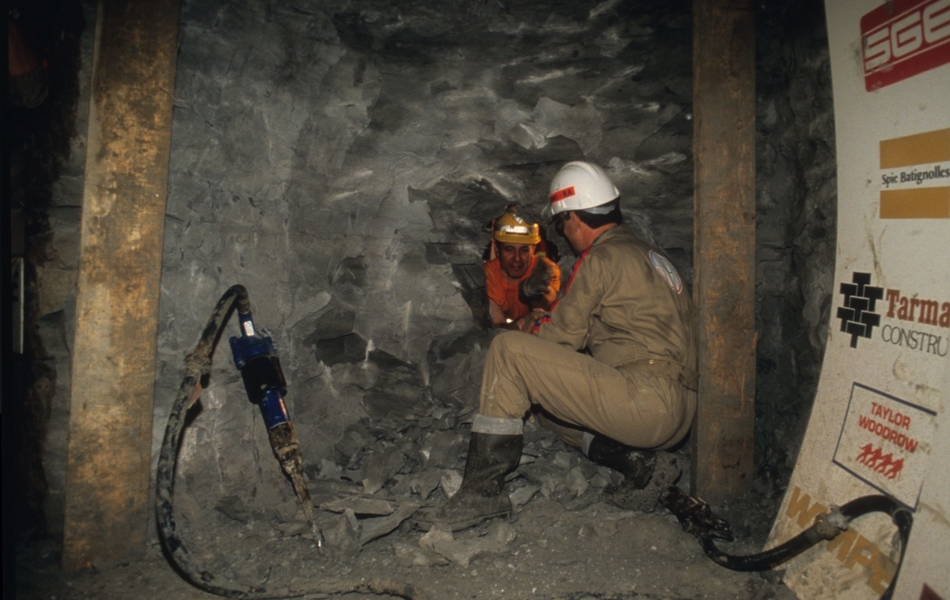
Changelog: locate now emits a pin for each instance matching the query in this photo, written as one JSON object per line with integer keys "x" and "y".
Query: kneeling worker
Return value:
{"x": 612, "y": 366}
{"x": 518, "y": 279}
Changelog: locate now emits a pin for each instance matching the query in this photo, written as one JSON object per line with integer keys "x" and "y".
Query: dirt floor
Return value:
{"x": 565, "y": 540}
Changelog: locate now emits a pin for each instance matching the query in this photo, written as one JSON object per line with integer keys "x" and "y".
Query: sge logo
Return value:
{"x": 903, "y": 38}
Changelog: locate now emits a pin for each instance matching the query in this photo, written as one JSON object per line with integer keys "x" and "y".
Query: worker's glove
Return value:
{"x": 536, "y": 284}
{"x": 529, "y": 321}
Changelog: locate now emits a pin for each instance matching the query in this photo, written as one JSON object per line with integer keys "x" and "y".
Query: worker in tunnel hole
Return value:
{"x": 519, "y": 277}
{"x": 611, "y": 367}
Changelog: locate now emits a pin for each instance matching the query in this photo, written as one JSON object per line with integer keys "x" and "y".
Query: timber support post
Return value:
{"x": 123, "y": 219}
{"x": 724, "y": 284}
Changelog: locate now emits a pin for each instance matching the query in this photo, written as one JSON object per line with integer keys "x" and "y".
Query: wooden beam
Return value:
{"x": 113, "y": 372}
{"x": 724, "y": 286}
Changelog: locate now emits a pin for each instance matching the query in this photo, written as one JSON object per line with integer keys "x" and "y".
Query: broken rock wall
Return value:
{"x": 796, "y": 190}
{"x": 342, "y": 159}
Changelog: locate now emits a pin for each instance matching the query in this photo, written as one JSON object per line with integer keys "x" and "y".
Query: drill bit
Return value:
{"x": 283, "y": 440}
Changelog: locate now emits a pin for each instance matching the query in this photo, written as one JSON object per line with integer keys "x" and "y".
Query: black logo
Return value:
{"x": 857, "y": 315}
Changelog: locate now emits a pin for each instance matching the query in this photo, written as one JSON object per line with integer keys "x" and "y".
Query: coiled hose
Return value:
{"x": 696, "y": 518}
{"x": 197, "y": 374}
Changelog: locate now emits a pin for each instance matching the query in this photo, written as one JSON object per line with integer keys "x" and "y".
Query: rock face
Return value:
{"x": 797, "y": 198}
{"x": 342, "y": 160}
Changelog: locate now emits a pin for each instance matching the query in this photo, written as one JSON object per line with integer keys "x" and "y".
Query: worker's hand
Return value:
{"x": 528, "y": 321}
{"x": 535, "y": 286}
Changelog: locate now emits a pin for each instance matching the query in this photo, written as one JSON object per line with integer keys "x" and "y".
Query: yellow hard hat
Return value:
{"x": 510, "y": 228}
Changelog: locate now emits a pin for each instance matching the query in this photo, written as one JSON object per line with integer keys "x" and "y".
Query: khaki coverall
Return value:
{"x": 626, "y": 307}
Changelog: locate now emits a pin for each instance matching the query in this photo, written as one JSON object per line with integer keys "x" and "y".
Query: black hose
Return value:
{"x": 197, "y": 371}
{"x": 826, "y": 527}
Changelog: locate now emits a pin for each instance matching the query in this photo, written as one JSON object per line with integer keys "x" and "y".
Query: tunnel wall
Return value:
{"x": 342, "y": 160}
{"x": 796, "y": 190}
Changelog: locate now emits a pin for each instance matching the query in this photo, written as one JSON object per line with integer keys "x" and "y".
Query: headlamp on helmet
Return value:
{"x": 510, "y": 228}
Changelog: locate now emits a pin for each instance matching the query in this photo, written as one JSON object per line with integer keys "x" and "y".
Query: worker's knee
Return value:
{"x": 510, "y": 342}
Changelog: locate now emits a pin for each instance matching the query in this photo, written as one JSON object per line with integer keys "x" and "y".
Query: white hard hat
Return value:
{"x": 581, "y": 186}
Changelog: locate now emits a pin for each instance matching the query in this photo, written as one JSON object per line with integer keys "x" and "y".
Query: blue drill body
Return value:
{"x": 256, "y": 358}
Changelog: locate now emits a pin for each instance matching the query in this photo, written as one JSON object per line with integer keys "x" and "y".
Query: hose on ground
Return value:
{"x": 197, "y": 373}
{"x": 696, "y": 518}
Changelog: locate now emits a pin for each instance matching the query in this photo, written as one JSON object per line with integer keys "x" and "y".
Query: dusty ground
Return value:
{"x": 566, "y": 541}
{"x": 594, "y": 553}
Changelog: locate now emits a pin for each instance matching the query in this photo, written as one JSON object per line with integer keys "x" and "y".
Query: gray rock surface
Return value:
{"x": 342, "y": 160}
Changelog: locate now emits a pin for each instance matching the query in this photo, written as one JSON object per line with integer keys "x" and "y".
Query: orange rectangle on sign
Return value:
{"x": 922, "y": 148}
{"x": 919, "y": 203}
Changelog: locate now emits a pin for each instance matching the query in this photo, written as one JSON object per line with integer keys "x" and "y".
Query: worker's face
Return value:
{"x": 515, "y": 258}
{"x": 565, "y": 224}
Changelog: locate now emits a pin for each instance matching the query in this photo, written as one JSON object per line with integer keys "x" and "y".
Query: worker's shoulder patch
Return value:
{"x": 667, "y": 271}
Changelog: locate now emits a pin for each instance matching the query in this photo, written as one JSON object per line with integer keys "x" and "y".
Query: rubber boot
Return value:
{"x": 636, "y": 466}
{"x": 646, "y": 474}
{"x": 481, "y": 496}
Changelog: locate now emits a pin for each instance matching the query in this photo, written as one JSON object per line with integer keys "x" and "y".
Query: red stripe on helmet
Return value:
{"x": 562, "y": 194}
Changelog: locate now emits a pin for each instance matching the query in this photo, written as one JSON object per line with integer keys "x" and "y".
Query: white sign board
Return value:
{"x": 924, "y": 574}
{"x": 876, "y": 424}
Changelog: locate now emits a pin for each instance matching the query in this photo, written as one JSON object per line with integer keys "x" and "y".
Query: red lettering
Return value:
{"x": 932, "y": 312}
{"x": 892, "y": 297}
{"x": 886, "y": 433}
{"x": 889, "y": 415}
{"x": 902, "y": 311}
{"x": 902, "y": 421}
{"x": 914, "y": 303}
{"x": 928, "y": 312}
